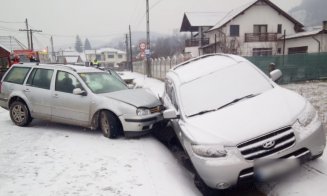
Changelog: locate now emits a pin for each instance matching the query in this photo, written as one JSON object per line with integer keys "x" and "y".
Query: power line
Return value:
{"x": 10, "y": 22}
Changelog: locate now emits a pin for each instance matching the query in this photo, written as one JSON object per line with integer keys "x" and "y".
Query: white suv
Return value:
{"x": 230, "y": 118}
{"x": 77, "y": 95}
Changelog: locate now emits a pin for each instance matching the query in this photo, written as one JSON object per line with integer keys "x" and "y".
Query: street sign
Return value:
{"x": 147, "y": 51}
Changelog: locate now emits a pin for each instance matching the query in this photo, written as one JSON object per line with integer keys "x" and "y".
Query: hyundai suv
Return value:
{"x": 76, "y": 95}
{"x": 236, "y": 124}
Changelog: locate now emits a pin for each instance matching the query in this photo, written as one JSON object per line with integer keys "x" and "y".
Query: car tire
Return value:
{"x": 20, "y": 114}
{"x": 109, "y": 124}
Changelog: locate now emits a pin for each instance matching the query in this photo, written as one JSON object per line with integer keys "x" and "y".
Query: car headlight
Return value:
{"x": 212, "y": 151}
{"x": 143, "y": 112}
{"x": 307, "y": 115}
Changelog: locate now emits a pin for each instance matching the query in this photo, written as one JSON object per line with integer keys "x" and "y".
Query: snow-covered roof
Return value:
{"x": 209, "y": 19}
{"x": 72, "y": 59}
{"x": 304, "y": 34}
{"x": 232, "y": 14}
{"x": 11, "y": 43}
{"x": 237, "y": 11}
{"x": 102, "y": 50}
{"x": 2, "y": 46}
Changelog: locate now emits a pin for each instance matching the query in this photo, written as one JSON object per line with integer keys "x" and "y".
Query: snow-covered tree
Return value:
{"x": 78, "y": 44}
{"x": 87, "y": 45}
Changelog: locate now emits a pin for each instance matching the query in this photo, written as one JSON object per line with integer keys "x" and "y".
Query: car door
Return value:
{"x": 37, "y": 91}
{"x": 67, "y": 107}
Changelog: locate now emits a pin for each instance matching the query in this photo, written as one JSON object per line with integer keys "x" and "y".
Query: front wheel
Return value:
{"x": 109, "y": 124}
{"x": 19, "y": 114}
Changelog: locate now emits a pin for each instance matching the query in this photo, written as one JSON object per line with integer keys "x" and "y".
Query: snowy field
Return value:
{"x": 50, "y": 159}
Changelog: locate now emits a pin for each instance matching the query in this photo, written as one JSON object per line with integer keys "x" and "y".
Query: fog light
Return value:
{"x": 222, "y": 185}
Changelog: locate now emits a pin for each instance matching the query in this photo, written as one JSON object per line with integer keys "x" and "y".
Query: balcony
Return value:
{"x": 260, "y": 37}
{"x": 196, "y": 42}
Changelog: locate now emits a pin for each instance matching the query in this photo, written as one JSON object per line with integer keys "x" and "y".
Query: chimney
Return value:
{"x": 324, "y": 25}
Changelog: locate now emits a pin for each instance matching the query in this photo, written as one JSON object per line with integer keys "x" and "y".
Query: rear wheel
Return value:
{"x": 20, "y": 114}
{"x": 109, "y": 124}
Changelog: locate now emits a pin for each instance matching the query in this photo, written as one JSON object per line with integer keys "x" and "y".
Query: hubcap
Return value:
{"x": 18, "y": 114}
{"x": 105, "y": 123}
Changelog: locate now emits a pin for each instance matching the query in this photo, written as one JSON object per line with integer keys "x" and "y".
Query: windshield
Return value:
{"x": 102, "y": 82}
{"x": 222, "y": 87}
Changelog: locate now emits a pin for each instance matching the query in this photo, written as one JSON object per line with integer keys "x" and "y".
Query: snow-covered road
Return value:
{"x": 49, "y": 159}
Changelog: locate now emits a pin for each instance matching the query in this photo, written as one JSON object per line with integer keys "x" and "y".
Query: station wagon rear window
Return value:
{"x": 17, "y": 75}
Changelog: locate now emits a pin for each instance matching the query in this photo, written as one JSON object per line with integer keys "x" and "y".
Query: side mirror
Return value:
{"x": 78, "y": 91}
{"x": 275, "y": 75}
{"x": 170, "y": 114}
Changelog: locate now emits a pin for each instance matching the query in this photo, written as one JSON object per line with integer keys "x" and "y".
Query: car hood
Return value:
{"x": 135, "y": 97}
{"x": 246, "y": 119}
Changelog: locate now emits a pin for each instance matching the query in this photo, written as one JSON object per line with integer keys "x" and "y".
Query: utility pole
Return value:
{"x": 130, "y": 49}
{"x": 52, "y": 50}
{"x": 148, "y": 39}
{"x": 127, "y": 55}
{"x": 28, "y": 37}
{"x": 31, "y": 31}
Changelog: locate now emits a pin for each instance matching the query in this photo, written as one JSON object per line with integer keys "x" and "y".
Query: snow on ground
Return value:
{"x": 49, "y": 159}
{"x": 311, "y": 179}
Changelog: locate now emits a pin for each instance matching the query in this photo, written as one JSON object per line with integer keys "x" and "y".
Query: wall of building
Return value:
{"x": 250, "y": 18}
{"x": 313, "y": 46}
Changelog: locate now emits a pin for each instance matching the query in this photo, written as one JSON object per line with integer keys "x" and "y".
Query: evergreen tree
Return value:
{"x": 78, "y": 44}
{"x": 87, "y": 45}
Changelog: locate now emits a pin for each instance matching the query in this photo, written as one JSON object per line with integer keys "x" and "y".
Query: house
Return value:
{"x": 4, "y": 60}
{"x": 313, "y": 41}
{"x": 107, "y": 57}
{"x": 69, "y": 56}
{"x": 198, "y": 22}
{"x": 253, "y": 29}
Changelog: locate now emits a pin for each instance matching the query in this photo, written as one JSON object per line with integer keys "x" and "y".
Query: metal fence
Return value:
{"x": 295, "y": 67}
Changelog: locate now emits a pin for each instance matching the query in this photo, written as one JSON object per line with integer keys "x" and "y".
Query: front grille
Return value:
{"x": 254, "y": 149}
{"x": 156, "y": 109}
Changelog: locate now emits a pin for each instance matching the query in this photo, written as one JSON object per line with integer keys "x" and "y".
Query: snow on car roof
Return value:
{"x": 204, "y": 65}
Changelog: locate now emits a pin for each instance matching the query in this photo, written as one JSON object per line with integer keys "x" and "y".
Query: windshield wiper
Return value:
{"x": 237, "y": 100}
{"x": 202, "y": 112}
{"x": 230, "y": 103}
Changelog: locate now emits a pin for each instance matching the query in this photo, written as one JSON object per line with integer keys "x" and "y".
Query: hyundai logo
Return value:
{"x": 268, "y": 145}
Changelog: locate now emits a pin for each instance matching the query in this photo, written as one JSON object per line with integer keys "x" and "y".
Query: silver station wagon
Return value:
{"x": 82, "y": 96}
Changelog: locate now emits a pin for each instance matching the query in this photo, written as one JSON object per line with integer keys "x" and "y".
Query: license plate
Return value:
{"x": 275, "y": 168}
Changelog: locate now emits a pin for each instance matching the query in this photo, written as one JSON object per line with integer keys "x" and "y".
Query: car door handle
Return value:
{"x": 55, "y": 95}
{"x": 27, "y": 90}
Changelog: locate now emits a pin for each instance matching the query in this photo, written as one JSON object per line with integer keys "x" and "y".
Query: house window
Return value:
{"x": 279, "y": 29}
{"x": 234, "y": 30}
{"x": 260, "y": 28}
{"x": 111, "y": 56}
{"x": 262, "y": 51}
{"x": 120, "y": 56}
{"x": 297, "y": 50}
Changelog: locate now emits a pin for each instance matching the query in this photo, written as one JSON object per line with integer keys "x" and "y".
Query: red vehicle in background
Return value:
{"x": 25, "y": 56}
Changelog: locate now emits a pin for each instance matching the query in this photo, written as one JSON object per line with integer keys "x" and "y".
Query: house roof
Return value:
{"x": 72, "y": 59}
{"x": 193, "y": 20}
{"x": 238, "y": 11}
{"x": 306, "y": 34}
{"x": 101, "y": 50}
{"x": 11, "y": 43}
{"x": 2, "y": 46}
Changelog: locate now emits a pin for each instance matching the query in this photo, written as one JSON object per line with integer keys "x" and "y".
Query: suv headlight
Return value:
{"x": 307, "y": 115}
{"x": 212, "y": 151}
{"x": 143, "y": 112}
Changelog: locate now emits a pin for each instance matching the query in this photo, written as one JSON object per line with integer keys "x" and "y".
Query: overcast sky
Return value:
{"x": 103, "y": 19}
